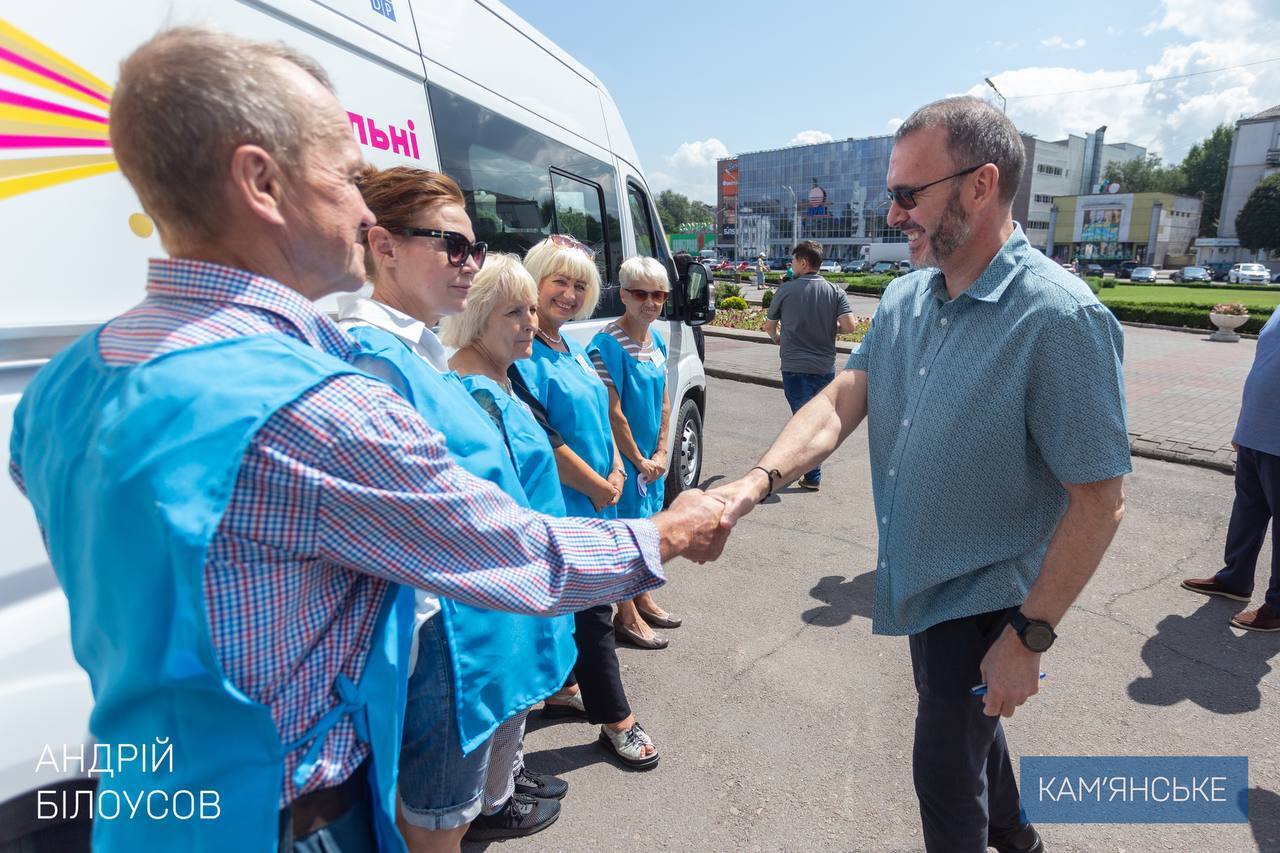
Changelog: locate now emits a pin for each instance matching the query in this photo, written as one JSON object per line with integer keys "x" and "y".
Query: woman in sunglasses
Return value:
{"x": 631, "y": 359}
{"x": 475, "y": 672}
{"x": 558, "y": 381}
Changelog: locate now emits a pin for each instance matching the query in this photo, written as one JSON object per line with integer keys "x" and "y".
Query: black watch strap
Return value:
{"x": 1036, "y": 634}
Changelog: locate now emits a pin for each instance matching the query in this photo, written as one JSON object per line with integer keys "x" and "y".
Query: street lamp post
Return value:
{"x": 795, "y": 215}
{"x": 1004, "y": 104}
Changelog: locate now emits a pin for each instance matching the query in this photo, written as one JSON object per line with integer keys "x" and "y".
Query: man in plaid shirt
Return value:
{"x": 342, "y": 492}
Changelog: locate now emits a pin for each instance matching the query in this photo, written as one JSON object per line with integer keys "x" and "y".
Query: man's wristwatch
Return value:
{"x": 1036, "y": 634}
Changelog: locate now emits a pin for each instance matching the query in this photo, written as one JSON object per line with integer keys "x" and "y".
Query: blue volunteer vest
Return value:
{"x": 129, "y": 470}
{"x": 502, "y": 662}
{"x": 577, "y": 405}
{"x": 528, "y": 445}
{"x": 641, "y": 386}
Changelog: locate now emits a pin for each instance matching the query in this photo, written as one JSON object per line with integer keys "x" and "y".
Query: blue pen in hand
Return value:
{"x": 981, "y": 689}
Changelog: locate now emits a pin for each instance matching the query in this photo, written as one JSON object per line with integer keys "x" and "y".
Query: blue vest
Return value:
{"x": 527, "y": 443}
{"x": 577, "y": 405}
{"x": 130, "y": 470}
{"x": 502, "y": 662}
{"x": 640, "y": 386}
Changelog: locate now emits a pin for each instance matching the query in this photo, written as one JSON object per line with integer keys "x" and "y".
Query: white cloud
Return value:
{"x": 1060, "y": 42}
{"x": 893, "y": 124}
{"x": 1167, "y": 116}
{"x": 810, "y": 137}
{"x": 691, "y": 169}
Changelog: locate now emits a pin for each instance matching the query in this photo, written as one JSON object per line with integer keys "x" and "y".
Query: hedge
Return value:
{"x": 1185, "y": 314}
{"x": 731, "y": 303}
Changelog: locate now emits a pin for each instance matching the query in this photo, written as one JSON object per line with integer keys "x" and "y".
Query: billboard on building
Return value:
{"x": 1102, "y": 225}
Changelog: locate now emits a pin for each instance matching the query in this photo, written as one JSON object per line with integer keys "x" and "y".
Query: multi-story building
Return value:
{"x": 1065, "y": 167}
{"x": 1106, "y": 228}
{"x": 1255, "y": 154}
{"x": 833, "y": 192}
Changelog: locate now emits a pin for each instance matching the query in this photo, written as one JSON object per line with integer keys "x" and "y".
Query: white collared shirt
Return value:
{"x": 357, "y": 310}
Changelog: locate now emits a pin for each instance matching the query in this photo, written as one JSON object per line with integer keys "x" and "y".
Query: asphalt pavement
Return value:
{"x": 784, "y": 724}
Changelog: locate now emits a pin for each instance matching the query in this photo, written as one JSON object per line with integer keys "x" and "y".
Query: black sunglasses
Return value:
{"x": 457, "y": 245}
{"x": 906, "y": 196}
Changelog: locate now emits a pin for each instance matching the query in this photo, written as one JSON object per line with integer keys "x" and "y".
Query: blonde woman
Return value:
{"x": 559, "y": 381}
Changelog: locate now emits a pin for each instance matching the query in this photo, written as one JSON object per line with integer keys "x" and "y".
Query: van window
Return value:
{"x": 521, "y": 186}
{"x": 640, "y": 222}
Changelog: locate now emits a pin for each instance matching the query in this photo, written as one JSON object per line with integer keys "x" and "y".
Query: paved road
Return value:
{"x": 785, "y": 725}
{"x": 1183, "y": 389}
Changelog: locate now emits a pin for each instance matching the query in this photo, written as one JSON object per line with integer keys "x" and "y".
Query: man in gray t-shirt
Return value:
{"x": 811, "y": 311}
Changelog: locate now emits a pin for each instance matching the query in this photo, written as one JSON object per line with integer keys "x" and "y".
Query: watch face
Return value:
{"x": 1038, "y": 637}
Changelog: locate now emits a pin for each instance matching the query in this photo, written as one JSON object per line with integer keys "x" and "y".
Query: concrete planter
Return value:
{"x": 1227, "y": 325}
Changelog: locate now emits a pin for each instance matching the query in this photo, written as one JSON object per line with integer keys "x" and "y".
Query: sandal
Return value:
{"x": 628, "y": 746}
{"x": 570, "y": 707}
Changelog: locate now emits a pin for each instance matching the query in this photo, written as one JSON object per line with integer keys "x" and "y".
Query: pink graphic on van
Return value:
{"x": 393, "y": 139}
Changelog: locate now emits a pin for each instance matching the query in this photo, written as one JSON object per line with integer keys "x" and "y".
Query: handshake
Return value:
{"x": 697, "y": 523}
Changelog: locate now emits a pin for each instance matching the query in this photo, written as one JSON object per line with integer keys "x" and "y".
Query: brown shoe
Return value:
{"x": 1210, "y": 586}
{"x": 623, "y": 634}
{"x": 1262, "y": 619}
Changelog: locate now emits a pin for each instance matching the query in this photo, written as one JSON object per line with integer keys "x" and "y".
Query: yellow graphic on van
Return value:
{"x": 42, "y": 142}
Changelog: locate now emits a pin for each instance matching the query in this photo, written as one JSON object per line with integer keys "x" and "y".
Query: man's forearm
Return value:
{"x": 1077, "y": 547}
{"x": 815, "y": 431}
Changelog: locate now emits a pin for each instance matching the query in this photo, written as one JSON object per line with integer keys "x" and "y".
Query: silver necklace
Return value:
{"x": 549, "y": 339}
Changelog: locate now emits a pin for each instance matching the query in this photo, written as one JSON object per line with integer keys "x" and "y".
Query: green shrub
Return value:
{"x": 766, "y": 299}
{"x": 1095, "y": 283}
{"x": 1185, "y": 315}
{"x": 727, "y": 289}
{"x": 732, "y": 303}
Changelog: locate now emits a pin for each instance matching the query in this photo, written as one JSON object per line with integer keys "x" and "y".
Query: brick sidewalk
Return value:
{"x": 1183, "y": 390}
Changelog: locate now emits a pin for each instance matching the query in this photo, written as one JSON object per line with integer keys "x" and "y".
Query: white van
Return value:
{"x": 461, "y": 86}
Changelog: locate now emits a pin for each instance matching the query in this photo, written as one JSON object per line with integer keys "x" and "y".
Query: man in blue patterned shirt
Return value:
{"x": 991, "y": 383}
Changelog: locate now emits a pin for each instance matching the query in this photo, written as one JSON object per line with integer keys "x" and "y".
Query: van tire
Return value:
{"x": 686, "y": 466}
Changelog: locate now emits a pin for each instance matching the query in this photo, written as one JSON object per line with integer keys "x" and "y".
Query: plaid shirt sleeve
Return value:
{"x": 391, "y": 502}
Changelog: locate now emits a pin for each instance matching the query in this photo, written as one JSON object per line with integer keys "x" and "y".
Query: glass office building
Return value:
{"x": 832, "y": 192}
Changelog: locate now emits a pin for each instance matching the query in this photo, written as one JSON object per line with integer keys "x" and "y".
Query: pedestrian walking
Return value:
{"x": 804, "y": 318}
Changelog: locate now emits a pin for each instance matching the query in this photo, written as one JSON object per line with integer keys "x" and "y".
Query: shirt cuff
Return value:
{"x": 649, "y": 543}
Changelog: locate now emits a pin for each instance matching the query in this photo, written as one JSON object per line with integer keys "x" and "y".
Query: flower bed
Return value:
{"x": 752, "y": 319}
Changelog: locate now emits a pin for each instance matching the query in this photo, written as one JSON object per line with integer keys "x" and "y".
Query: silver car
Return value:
{"x": 1145, "y": 275}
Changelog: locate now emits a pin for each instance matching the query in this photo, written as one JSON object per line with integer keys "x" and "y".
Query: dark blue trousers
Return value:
{"x": 1256, "y": 504}
{"x": 800, "y": 388}
{"x": 963, "y": 776}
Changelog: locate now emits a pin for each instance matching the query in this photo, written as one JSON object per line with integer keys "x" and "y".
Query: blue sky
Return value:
{"x": 699, "y": 80}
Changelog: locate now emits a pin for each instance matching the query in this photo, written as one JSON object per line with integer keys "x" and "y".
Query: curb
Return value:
{"x": 1135, "y": 448}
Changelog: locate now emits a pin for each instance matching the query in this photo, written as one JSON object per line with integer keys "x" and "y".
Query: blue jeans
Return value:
{"x": 440, "y": 788}
{"x": 800, "y": 388}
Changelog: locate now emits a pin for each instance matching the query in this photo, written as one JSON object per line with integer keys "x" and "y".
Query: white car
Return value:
{"x": 1249, "y": 274}
{"x": 829, "y": 266}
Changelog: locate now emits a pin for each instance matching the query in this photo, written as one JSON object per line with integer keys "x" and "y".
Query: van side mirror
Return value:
{"x": 698, "y": 307}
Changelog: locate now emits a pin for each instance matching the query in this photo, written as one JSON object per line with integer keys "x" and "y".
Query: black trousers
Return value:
{"x": 1256, "y": 505}
{"x": 963, "y": 776}
{"x": 597, "y": 672}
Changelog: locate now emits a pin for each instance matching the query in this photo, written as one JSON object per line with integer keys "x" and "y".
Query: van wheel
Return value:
{"x": 687, "y": 469}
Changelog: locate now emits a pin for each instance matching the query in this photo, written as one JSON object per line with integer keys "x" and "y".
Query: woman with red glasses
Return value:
{"x": 560, "y": 385}
{"x": 630, "y": 357}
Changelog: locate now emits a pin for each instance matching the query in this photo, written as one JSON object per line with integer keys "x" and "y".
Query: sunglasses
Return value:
{"x": 564, "y": 241}
{"x": 906, "y": 196}
{"x": 658, "y": 296}
{"x": 457, "y": 245}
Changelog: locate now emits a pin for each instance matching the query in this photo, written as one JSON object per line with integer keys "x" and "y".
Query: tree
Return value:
{"x": 1145, "y": 175}
{"x": 1258, "y": 222}
{"x": 680, "y": 213}
{"x": 1205, "y": 169}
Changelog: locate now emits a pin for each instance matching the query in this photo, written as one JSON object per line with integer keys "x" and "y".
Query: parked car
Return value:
{"x": 1094, "y": 269}
{"x": 1218, "y": 270}
{"x": 1249, "y": 274}
{"x": 856, "y": 266}
{"x": 1126, "y": 268}
{"x": 1146, "y": 275}
{"x": 904, "y": 267}
{"x": 779, "y": 263}
{"x": 1187, "y": 274}
{"x": 743, "y": 266}
{"x": 1069, "y": 267}
{"x": 1275, "y": 277}
{"x": 829, "y": 266}
{"x": 881, "y": 267}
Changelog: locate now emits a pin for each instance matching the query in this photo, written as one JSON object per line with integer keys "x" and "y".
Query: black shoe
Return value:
{"x": 1024, "y": 839}
{"x": 806, "y": 483}
{"x": 541, "y": 785}
{"x": 520, "y": 816}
